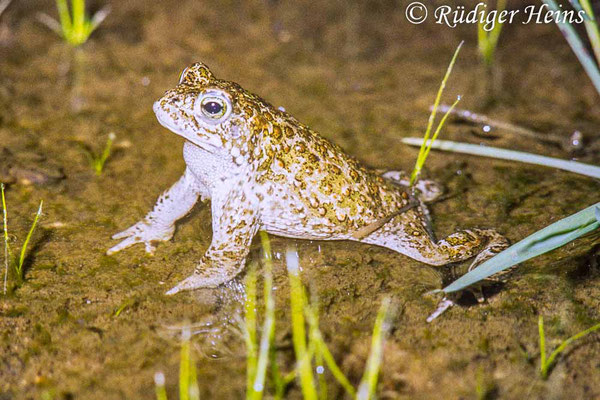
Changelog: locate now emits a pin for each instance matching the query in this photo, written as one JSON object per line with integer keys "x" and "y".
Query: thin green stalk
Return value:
{"x": 78, "y": 7}
{"x": 297, "y": 300}
{"x": 184, "y": 366}
{"x": 488, "y": 40}
{"x": 98, "y": 162}
{"x": 314, "y": 336}
{"x": 570, "y": 34}
{"x": 322, "y": 382}
{"x": 19, "y": 267}
{"x": 324, "y": 352}
{"x": 74, "y": 25}
{"x": 64, "y": 17}
{"x": 543, "y": 366}
{"x": 546, "y": 364}
{"x": 250, "y": 329}
{"x": 591, "y": 27}
{"x": 7, "y": 253}
{"x": 188, "y": 381}
{"x": 512, "y": 155}
{"x": 368, "y": 383}
{"x": 268, "y": 330}
{"x": 159, "y": 386}
{"x": 439, "y": 128}
{"x": 279, "y": 382}
{"x": 422, "y": 157}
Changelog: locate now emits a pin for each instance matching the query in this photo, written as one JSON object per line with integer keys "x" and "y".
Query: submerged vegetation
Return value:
{"x": 97, "y": 160}
{"x": 547, "y": 362}
{"x": 487, "y": 40}
{"x": 188, "y": 379}
{"x": 307, "y": 339}
{"x": 426, "y": 144}
{"x": 11, "y": 261}
{"x": 74, "y": 25}
{"x": 308, "y": 343}
{"x": 590, "y": 65}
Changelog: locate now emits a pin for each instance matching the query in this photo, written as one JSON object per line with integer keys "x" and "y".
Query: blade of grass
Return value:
{"x": 540, "y": 242}
{"x": 577, "y": 46}
{"x": 64, "y": 17}
{"x": 188, "y": 381}
{"x": 78, "y": 9}
{"x": 159, "y": 386}
{"x": 487, "y": 41}
{"x": 505, "y": 154}
{"x": 547, "y": 363}
{"x": 368, "y": 383}
{"x": 297, "y": 300}
{"x": 268, "y": 330}
{"x": 591, "y": 27}
{"x": 542, "y": 345}
{"x": 184, "y": 365}
{"x": 439, "y": 128}
{"x": 26, "y": 243}
{"x": 250, "y": 329}
{"x": 323, "y": 350}
{"x": 422, "y": 157}
{"x": 311, "y": 312}
{"x": 99, "y": 162}
{"x": 567, "y": 342}
{"x": 5, "y": 230}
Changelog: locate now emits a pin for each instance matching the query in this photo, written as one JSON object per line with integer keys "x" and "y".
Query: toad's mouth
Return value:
{"x": 165, "y": 118}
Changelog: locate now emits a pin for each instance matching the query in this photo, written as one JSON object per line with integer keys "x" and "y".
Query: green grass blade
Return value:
{"x": 64, "y": 17}
{"x": 78, "y": 9}
{"x": 268, "y": 330}
{"x": 439, "y": 128}
{"x": 578, "y": 47}
{"x": 504, "y": 154}
{"x": 250, "y": 329}
{"x": 185, "y": 372}
{"x": 99, "y": 162}
{"x": 159, "y": 386}
{"x": 591, "y": 27}
{"x": 488, "y": 41}
{"x": 297, "y": 300}
{"x": 368, "y": 383}
{"x": 323, "y": 350}
{"x": 7, "y": 253}
{"x": 26, "y": 243}
{"x": 421, "y": 157}
{"x": 565, "y": 343}
{"x": 543, "y": 364}
{"x": 542, "y": 241}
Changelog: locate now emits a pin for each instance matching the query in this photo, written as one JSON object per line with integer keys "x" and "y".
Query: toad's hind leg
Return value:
{"x": 407, "y": 233}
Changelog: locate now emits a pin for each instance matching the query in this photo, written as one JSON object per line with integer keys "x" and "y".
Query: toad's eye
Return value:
{"x": 213, "y": 107}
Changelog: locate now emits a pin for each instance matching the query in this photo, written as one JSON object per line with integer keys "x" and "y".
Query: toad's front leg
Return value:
{"x": 235, "y": 222}
{"x": 159, "y": 224}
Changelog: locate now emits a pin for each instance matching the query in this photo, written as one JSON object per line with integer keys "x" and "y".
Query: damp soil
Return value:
{"x": 88, "y": 326}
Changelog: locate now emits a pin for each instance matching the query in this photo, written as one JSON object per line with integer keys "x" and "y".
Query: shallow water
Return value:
{"x": 363, "y": 77}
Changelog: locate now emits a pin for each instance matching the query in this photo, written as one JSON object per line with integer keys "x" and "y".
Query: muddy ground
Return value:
{"x": 364, "y": 77}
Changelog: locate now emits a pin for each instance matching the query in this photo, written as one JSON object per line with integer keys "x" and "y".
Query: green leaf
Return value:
{"x": 542, "y": 241}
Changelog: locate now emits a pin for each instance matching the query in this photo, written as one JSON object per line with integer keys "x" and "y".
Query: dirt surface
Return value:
{"x": 363, "y": 77}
